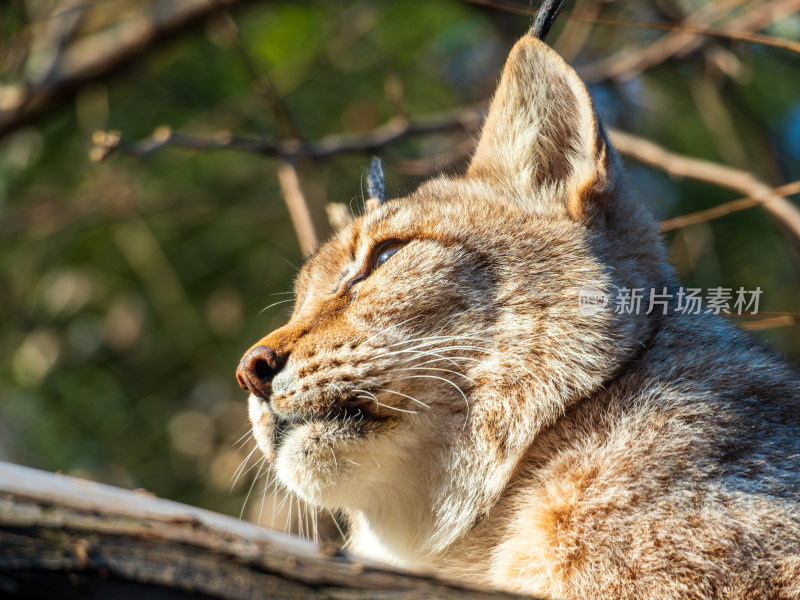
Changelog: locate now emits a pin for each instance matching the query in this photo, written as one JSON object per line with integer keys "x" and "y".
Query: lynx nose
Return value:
{"x": 256, "y": 370}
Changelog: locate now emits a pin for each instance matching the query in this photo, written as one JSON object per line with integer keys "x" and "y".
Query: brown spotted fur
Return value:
{"x": 569, "y": 456}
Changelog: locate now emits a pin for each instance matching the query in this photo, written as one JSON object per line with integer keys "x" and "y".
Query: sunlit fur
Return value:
{"x": 467, "y": 418}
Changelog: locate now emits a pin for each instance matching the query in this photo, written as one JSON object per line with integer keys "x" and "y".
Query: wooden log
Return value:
{"x": 62, "y": 537}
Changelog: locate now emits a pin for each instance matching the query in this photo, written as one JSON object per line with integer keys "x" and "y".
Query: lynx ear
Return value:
{"x": 541, "y": 139}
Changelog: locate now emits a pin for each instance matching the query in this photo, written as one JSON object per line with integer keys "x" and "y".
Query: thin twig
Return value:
{"x": 771, "y": 323}
{"x": 727, "y": 208}
{"x": 298, "y": 207}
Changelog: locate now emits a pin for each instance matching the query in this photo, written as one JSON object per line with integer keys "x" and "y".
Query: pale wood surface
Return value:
{"x": 62, "y": 537}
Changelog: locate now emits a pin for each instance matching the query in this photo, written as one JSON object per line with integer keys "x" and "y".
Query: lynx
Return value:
{"x": 438, "y": 383}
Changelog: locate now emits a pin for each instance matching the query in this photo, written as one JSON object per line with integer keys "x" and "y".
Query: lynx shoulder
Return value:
{"x": 438, "y": 383}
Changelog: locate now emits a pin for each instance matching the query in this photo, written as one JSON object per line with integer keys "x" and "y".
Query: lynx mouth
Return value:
{"x": 346, "y": 422}
{"x": 352, "y": 421}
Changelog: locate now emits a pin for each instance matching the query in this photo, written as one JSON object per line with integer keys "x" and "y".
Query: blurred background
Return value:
{"x": 165, "y": 164}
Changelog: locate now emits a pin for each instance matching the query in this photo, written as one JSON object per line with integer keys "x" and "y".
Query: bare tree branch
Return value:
{"x": 99, "y": 57}
{"x": 771, "y": 323}
{"x": 467, "y": 118}
{"x": 678, "y": 165}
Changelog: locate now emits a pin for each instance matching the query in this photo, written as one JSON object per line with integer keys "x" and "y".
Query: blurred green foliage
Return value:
{"x": 129, "y": 288}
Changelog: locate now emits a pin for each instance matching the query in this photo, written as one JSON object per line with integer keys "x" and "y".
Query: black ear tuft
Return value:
{"x": 545, "y": 18}
{"x": 376, "y": 187}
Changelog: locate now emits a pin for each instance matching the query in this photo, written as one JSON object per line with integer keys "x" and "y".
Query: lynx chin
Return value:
{"x": 440, "y": 385}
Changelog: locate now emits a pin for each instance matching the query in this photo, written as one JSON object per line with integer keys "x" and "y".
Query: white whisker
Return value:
{"x": 264, "y": 495}
{"x": 460, "y": 391}
{"x": 336, "y": 524}
{"x": 286, "y": 497}
{"x": 386, "y": 329}
{"x": 405, "y": 396}
{"x": 434, "y": 339}
{"x": 266, "y": 308}
{"x": 252, "y": 485}
{"x": 240, "y": 469}
{"x": 470, "y": 379}
{"x": 402, "y": 410}
{"x": 248, "y": 434}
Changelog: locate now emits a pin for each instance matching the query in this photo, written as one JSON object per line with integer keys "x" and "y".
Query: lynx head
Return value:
{"x": 434, "y": 337}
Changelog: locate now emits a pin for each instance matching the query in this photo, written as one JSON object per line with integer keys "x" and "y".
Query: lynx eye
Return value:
{"x": 384, "y": 252}
{"x": 384, "y": 256}
{"x": 380, "y": 254}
